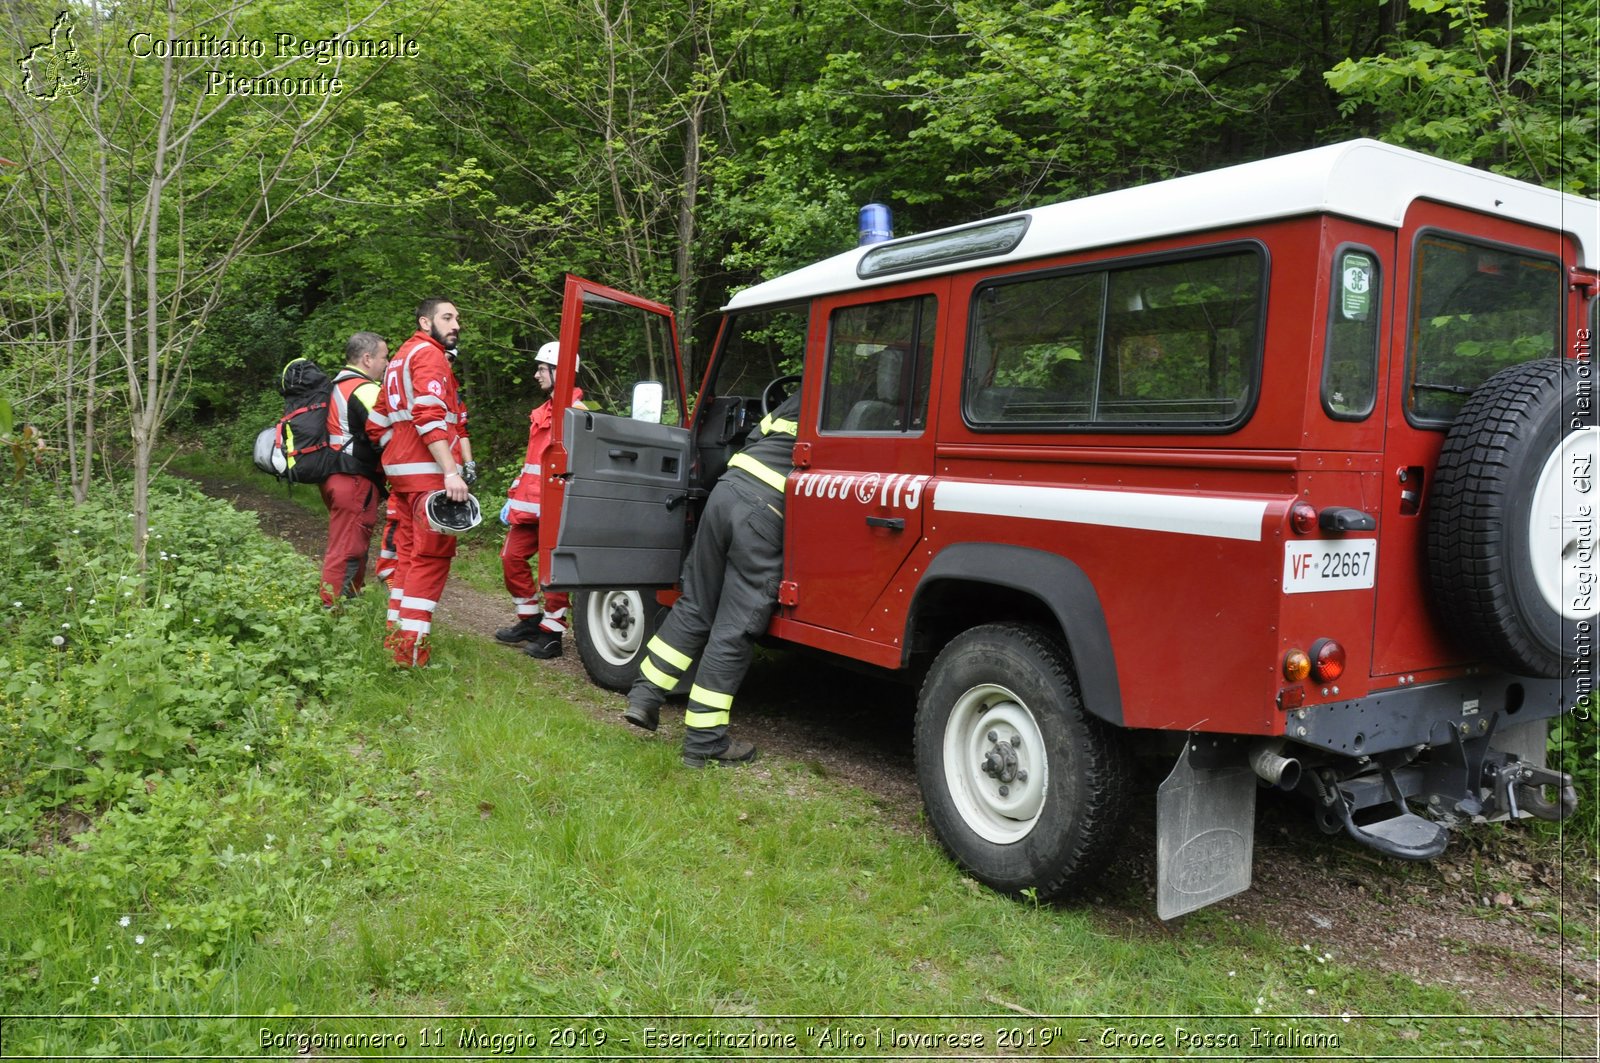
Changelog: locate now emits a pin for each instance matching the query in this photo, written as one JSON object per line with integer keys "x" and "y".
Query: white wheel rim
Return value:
{"x": 1561, "y": 527}
{"x": 998, "y": 817}
{"x": 615, "y": 620}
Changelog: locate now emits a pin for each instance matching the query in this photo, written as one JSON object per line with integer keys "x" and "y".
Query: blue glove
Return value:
{"x": 505, "y": 513}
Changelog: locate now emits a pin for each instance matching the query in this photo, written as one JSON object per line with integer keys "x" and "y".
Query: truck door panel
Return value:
{"x": 622, "y": 523}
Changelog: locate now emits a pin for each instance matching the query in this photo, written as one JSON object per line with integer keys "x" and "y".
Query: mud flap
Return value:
{"x": 1205, "y": 833}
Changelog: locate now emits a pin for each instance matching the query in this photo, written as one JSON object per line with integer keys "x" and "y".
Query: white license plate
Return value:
{"x": 1329, "y": 565}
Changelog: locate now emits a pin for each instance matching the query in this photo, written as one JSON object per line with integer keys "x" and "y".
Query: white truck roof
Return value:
{"x": 1361, "y": 179}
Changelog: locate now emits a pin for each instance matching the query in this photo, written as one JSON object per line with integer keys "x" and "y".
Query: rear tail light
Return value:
{"x": 1327, "y": 660}
{"x": 1303, "y": 518}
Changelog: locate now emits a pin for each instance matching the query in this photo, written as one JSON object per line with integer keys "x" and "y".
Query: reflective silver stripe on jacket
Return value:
{"x": 413, "y": 468}
{"x": 525, "y": 507}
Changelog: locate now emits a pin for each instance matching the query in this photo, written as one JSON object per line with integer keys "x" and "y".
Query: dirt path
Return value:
{"x": 1484, "y": 920}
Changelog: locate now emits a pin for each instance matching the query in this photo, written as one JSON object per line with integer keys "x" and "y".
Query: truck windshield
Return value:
{"x": 759, "y": 346}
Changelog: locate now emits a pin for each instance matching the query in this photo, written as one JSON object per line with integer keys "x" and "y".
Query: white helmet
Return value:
{"x": 548, "y": 355}
{"x": 452, "y": 518}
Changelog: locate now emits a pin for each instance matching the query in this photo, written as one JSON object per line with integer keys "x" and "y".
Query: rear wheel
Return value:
{"x": 611, "y": 630}
{"x": 1022, "y": 786}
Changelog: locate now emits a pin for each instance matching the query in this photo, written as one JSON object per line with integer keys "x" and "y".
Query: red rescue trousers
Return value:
{"x": 352, "y": 503}
{"x": 420, "y": 573}
{"x": 516, "y": 557}
{"x": 386, "y": 547}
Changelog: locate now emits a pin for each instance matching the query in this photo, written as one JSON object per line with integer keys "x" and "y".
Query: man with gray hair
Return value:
{"x": 352, "y": 494}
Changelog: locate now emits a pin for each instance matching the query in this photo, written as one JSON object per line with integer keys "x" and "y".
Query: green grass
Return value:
{"x": 479, "y": 839}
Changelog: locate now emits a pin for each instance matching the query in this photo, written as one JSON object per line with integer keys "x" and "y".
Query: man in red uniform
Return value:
{"x": 540, "y": 630}
{"x": 352, "y": 494}
{"x": 422, "y": 424}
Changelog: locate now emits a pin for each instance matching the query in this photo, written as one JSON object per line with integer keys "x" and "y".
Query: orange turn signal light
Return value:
{"x": 1296, "y": 665}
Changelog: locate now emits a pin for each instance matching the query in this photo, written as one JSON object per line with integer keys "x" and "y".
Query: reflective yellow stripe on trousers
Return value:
{"x": 718, "y": 703}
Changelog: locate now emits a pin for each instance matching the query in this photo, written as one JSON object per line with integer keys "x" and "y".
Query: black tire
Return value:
{"x": 1055, "y": 829}
{"x": 1510, "y": 591}
{"x": 611, "y": 630}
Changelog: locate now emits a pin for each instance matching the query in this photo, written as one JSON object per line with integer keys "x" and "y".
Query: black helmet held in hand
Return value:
{"x": 452, "y": 518}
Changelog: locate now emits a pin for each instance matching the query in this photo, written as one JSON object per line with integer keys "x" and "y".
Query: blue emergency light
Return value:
{"x": 876, "y": 225}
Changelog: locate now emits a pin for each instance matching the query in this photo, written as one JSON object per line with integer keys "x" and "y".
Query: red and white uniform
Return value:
{"x": 420, "y": 404}
{"x": 522, "y": 538}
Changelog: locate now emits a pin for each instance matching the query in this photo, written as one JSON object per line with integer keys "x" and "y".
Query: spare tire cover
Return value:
{"x": 1512, "y": 519}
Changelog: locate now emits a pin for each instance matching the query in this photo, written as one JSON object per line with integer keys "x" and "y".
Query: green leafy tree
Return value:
{"x": 1509, "y": 86}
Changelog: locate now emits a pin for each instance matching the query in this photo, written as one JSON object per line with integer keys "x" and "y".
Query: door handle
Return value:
{"x": 618, "y": 454}
{"x": 892, "y": 523}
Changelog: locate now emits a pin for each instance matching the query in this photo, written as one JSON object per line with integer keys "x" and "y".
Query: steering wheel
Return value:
{"x": 774, "y": 394}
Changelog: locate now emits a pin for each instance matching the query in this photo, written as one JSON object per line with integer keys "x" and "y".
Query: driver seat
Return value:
{"x": 882, "y": 412}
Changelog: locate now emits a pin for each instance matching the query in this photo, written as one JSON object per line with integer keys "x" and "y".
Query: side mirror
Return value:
{"x": 647, "y": 398}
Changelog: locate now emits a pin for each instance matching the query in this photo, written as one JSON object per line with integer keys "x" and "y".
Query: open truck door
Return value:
{"x": 617, "y": 473}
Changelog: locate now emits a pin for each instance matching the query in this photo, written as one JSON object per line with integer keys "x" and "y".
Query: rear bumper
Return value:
{"x": 1428, "y": 714}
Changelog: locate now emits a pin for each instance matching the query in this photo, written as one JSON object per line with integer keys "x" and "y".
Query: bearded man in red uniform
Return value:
{"x": 421, "y": 424}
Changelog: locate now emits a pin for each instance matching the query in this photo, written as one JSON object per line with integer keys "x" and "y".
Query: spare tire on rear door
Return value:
{"x": 1511, "y": 519}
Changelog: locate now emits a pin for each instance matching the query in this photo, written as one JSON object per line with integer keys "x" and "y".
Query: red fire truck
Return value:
{"x": 1283, "y": 473}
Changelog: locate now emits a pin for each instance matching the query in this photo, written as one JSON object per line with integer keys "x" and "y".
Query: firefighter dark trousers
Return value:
{"x": 730, "y": 587}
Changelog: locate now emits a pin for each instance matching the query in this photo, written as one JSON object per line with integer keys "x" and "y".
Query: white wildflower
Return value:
{"x": 125, "y": 920}
{"x": 95, "y": 979}
{"x": 58, "y": 641}
{"x": 138, "y": 939}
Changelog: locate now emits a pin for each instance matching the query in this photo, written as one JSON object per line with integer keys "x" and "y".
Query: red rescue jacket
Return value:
{"x": 527, "y": 489}
{"x": 420, "y": 403}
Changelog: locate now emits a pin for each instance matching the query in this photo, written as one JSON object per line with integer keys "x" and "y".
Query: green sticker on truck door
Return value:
{"x": 1355, "y": 287}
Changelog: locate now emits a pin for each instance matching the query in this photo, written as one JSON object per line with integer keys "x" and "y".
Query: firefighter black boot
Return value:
{"x": 522, "y": 631}
{"x": 544, "y": 645}
{"x": 738, "y": 751}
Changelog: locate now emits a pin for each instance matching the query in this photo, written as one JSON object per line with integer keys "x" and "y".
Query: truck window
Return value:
{"x": 1475, "y": 309}
{"x": 880, "y": 359}
{"x": 1350, "y": 360}
{"x": 623, "y": 347}
{"x": 1173, "y": 344}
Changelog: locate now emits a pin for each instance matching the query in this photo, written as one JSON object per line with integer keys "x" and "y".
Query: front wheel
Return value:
{"x": 1024, "y": 788}
{"x": 611, "y": 630}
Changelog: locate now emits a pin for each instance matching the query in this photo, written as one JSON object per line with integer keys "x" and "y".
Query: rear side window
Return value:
{"x": 880, "y": 360}
{"x": 1167, "y": 344}
{"x": 1475, "y": 309}
{"x": 1350, "y": 363}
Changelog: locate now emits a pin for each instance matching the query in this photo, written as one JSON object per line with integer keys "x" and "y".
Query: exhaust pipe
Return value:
{"x": 1282, "y": 772}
